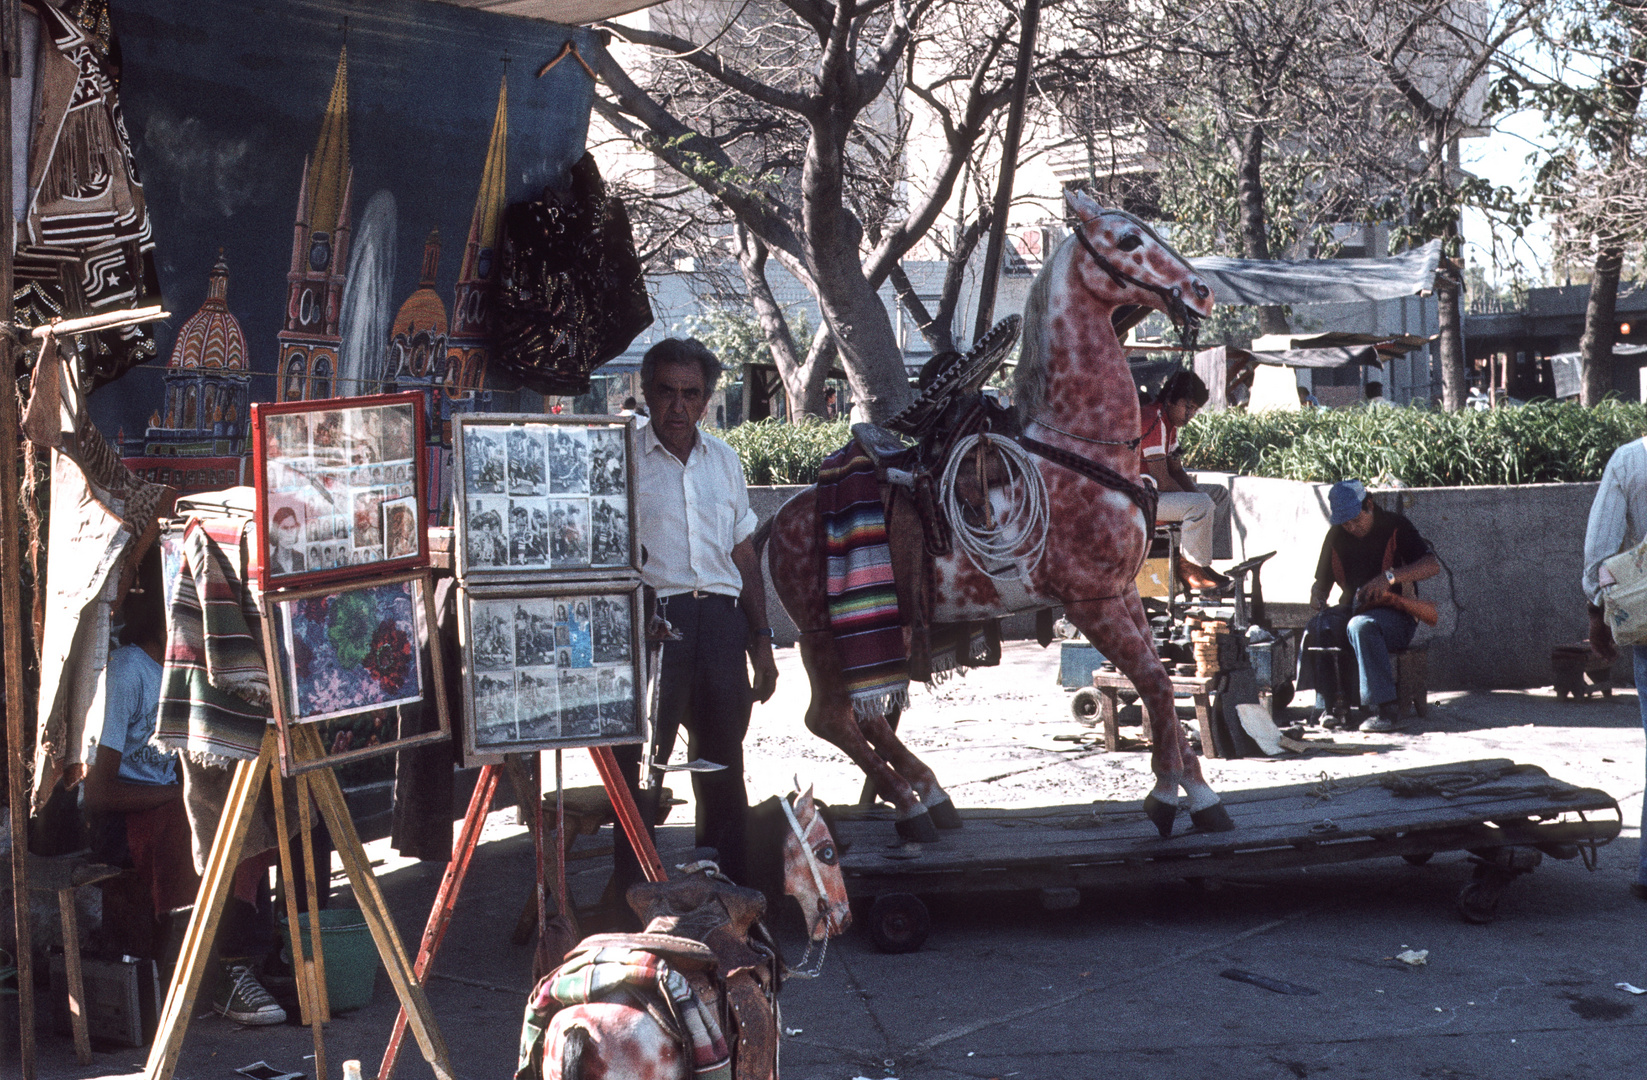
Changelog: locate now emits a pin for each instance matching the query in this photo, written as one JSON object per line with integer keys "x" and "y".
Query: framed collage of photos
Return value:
{"x": 357, "y": 660}
{"x": 337, "y": 483}
{"x": 542, "y": 497}
{"x": 549, "y": 666}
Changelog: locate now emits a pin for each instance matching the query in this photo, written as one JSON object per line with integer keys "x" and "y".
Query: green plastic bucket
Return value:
{"x": 349, "y": 952}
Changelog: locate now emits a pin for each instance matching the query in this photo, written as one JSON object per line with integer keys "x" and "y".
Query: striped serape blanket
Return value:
{"x": 863, "y": 601}
{"x": 594, "y": 974}
{"x": 214, "y": 685}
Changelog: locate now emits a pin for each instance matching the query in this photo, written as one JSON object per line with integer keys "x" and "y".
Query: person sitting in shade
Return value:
{"x": 1370, "y": 553}
{"x": 1175, "y": 405}
{"x": 1375, "y": 396}
{"x": 1307, "y": 400}
{"x": 134, "y": 799}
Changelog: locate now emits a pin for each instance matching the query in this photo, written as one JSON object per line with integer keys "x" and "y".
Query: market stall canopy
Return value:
{"x": 1257, "y": 282}
{"x": 1568, "y": 368}
{"x": 567, "y": 12}
{"x": 1314, "y": 358}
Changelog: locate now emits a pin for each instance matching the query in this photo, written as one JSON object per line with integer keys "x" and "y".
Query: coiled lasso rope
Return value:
{"x": 1019, "y": 532}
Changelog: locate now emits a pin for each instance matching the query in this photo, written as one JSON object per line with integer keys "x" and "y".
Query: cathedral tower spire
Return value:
{"x": 477, "y": 275}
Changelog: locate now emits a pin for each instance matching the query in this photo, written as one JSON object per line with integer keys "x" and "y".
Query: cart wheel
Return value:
{"x": 898, "y": 923}
{"x": 1085, "y": 705}
{"x": 1478, "y": 901}
{"x": 1281, "y": 695}
{"x": 1419, "y": 858}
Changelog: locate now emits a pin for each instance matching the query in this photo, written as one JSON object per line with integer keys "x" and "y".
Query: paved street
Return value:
{"x": 1127, "y": 984}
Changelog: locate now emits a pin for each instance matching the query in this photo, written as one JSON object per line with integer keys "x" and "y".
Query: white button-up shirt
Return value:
{"x": 690, "y": 517}
{"x": 1618, "y": 517}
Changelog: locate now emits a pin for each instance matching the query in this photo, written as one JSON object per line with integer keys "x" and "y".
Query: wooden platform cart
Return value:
{"x": 1507, "y": 816}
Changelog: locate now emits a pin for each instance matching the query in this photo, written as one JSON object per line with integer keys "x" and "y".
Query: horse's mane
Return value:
{"x": 1029, "y": 383}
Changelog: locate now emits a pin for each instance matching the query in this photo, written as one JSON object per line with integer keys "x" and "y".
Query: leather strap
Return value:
{"x": 1146, "y": 498}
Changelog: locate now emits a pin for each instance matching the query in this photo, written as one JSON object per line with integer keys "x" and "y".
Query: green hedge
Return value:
{"x": 778, "y": 452}
{"x": 1544, "y": 442}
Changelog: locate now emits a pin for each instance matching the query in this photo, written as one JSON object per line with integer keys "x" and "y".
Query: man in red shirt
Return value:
{"x": 1181, "y": 500}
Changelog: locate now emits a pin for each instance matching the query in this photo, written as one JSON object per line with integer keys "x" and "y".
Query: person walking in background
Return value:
{"x": 1618, "y": 520}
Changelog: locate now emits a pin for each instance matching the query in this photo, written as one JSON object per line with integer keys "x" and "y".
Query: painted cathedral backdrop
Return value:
{"x": 302, "y": 161}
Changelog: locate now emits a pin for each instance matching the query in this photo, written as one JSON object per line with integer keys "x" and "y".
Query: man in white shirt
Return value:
{"x": 694, "y": 523}
{"x": 1618, "y": 520}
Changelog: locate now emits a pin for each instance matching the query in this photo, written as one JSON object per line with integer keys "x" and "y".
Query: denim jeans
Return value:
{"x": 1641, "y": 695}
{"x": 1371, "y": 635}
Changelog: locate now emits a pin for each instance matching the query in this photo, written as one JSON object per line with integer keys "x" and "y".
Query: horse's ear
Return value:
{"x": 803, "y": 801}
{"x": 1085, "y": 208}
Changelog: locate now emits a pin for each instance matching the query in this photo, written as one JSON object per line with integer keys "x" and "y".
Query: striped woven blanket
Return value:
{"x": 594, "y": 974}
{"x": 214, "y": 685}
{"x": 863, "y": 601}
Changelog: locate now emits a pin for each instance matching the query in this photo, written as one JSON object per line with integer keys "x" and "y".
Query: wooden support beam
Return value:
{"x": 215, "y": 886}
{"x": 335, "y": 812}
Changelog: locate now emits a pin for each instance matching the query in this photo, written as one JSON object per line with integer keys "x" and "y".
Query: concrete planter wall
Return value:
{"x": 1512, "y": 558}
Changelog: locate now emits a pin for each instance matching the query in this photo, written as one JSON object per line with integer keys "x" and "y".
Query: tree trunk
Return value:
{"x": 1600, "y": 328}
{"x": 1255, "y": 240}
{"x": 1455, "y": 387}
{"x": 803, "y": 378}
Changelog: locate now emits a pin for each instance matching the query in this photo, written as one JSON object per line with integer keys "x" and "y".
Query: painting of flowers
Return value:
{"x": 352, "y": 651}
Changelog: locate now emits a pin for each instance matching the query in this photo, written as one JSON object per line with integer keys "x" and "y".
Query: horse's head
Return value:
{"x": 811, "y": 868}
{"x": 1123, "y": 261}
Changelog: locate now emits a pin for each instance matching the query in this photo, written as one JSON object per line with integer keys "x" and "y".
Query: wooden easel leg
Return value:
{"x": 316, "y": 963}
{"x": 283, "y": 845}
{"x": 208, "y": 910}
{"x": 623, "y": 805}
{"x": 440, "y": 916}
{"x": 335, "y": 812}
{"x": 71, "y": 969}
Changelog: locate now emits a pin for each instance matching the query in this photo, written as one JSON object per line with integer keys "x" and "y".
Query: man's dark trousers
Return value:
{"x": 703, "y": 685}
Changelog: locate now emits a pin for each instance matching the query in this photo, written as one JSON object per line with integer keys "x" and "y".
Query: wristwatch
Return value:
{"x": 1389, "y": 576}
{"x": 765, "y": 632}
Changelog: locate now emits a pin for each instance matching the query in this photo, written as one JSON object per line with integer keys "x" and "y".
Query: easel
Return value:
{"x": 215, "y": 885}
{"x": 480, "y": 804}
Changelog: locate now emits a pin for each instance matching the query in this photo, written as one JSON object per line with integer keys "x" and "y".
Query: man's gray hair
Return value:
{"x": 681, "y": 351}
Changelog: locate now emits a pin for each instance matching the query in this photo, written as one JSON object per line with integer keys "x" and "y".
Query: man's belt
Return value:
{"x": 1143, "y": 495}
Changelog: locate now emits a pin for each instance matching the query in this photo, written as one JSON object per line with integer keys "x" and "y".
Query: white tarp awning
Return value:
{"x": 566, "y": 12}
{"x": 1320, "y": 281}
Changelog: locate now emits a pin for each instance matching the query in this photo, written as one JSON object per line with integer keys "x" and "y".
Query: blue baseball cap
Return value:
{"x": 1344, "y": 501}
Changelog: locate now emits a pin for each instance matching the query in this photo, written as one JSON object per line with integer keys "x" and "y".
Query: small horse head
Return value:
{"x": 811, "y": 868}
{"x": 1123, "y": 261}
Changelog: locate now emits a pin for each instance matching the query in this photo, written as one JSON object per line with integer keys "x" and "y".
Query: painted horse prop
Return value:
{"x": 1075, "y": 441}
{"x": 695, "y": 993}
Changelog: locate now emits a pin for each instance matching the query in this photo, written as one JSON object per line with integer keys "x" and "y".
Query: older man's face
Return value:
{"x": 677, "y": 398}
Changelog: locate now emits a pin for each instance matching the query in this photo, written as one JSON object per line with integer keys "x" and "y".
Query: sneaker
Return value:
{"x": 1336, "y": 721}
{"x": 1384, "y": 720}
{"x": 244, "y": 1000}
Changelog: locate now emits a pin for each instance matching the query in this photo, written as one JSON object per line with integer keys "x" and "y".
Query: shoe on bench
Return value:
{"x": 243, "y": 999}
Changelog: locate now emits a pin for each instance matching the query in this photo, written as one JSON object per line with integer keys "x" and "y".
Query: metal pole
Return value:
{"x": 1009, "y": 167}
{"x": 11, "y": 580}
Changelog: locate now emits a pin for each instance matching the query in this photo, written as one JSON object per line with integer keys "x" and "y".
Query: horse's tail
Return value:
{"x": 575, "y": 1044}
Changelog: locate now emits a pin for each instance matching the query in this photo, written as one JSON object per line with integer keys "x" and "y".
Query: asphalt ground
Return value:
{"x": 1128, "y": 983}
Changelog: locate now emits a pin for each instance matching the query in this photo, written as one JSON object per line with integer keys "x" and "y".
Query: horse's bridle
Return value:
{"x": 823, "y": 894}
{"x": 1184, "y": 317}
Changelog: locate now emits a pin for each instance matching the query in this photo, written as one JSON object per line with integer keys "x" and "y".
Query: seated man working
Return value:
{"x": 1371, "y": 554}
{"x": 1181, "y": 500}
{"x": 134, "y": 797}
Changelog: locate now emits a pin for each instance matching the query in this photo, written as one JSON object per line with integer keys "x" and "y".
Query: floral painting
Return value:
{"x": 352, "y": 651}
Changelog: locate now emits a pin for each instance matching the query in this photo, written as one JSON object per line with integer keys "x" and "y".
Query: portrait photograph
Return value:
{"x": 609, "y": 532}
{"x": 368, "y": 522}
{"x": 608, "y": 466}
{"x": 527, "y": 459}
{"x": 492, "y": 635}
{"x": 534, "y": 634}
{"x": 485, "y": 463}
{"x": 494, "y": 709}
{"x": 569, "y": 461}
{"x": 610, "y": 629}
{"x": 568, "y": 532}
{"x": 400, "y": 533}
{"x": 486, "y": 525}
{"x": 528, "y": 532}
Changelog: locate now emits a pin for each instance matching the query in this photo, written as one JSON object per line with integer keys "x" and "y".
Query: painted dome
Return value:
{"x": 424, "y": 309}
{"x": 212, "y": 337}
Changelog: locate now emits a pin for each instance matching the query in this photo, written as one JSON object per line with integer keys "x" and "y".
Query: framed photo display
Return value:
{"x": 541, "y": 496}
{"x": 551, "y": 666}
{"x": 356, "y": 659}
{"x": 337, "y": 483}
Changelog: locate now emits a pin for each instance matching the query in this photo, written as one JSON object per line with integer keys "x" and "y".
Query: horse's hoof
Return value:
{"x": 944, "y": 815}
{"x": 1161, "y": 813}
{"x": 1212, "y": 818}
{"x": 918, "y": 828}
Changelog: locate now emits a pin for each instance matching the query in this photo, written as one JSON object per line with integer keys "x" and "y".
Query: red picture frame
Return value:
{"x": 326, "y": 468}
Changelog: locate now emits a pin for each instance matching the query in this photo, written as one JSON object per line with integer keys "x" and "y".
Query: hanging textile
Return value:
{"x": 571, "y": 294}
{"x": 84, "y": 243}
{"x": 103, "y": 519}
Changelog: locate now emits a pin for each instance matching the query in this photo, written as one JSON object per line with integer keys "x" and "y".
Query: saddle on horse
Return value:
{"x": 704, "y": 968}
